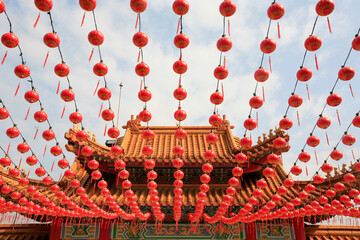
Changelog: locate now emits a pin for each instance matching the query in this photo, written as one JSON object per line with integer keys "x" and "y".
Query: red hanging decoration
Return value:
{"x": 100, "y": 109}
{"x": 298, "y": 117}
{"x": 307, "y": 89}
{"x": 307, "y": 174}
{"x": 8, "y": 149}
{"x": 83, "y": 19}
{"x": 328, "y": 21}
{"x": 63, "y": 111}
{"x": 352, "y": 93}
{"x": 317, "y": 163}
{"x": 338, "y": 116}
{"x": 270, "y": 64}
{"x": 27, "y": 114}
{"x": 352, "y": 151}
{"x": 137, "y": 21}
{"x": 263, "y": 92}
{"x": 229, "y": 27}
{"x": 97, "y": 85}
{"x": 37, "y": 130}
{"x": 316, "y": 62}
{"x": 138, "y": 59}
{"x": 58, "y": 88}
{"x": 37, "y": 20}
{"x": 105, "y": 129}
{"x": 52, "y": 166}
{"x": 2, "y": 62}
{"x": 17, "y": 90}
{"x": 91, "y": 54}
{"x": 46, "y": 58}
{"x": 327, "y": 139}
{"x": 44, "y": 150}
{"x": 257, "y": 120}
{"x": 278, "y": 28}
{"x": 178, "y": 26}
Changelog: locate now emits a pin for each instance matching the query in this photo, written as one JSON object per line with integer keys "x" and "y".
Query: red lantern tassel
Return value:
{"x": 352, "y": 93}
{"x": 100, "y": 109}
{"x": 278, "y": 27}
{"x": 78, "y": 153}
{"x": 338, "y": 116}
{"x": 352, "y": 151}
{"x": 83, "y": 19}
{"x": 328, "y": 21}
{"x": 138, "y": 59}
{"x": 222, "y": 89}
{"x": 137, "y": 20}
{"x": 140, "y": 85}
{"x": 44, "y": 150}
{"x": 28, "y": 174}
{"x": 307, "y": 89}
{"x": 298, "y": 117}
{"x": 8, "y": 149}
{"x": 52, "y": 166}
{"x": 94, "y": 189}
{"x": 179, "y": 81}
{"x": 63, "y": 111}
{"x": 317, "y": 163}
{"x": 178, "y": 26}
{"x": 37, "y": 20}
{"x": 316, "y": 62}
{"x": 46, "y": 58}
{"x": 327, "y": 139}
{"x": 60, "y": 176}
{"x": 2, "y": 62}
{"x": 17, "y": 90}
{"x": 229, "y": 27}
{"x": 91, "y": 54}
{"x": 27, "y": 114}
{"x": 257, "y": 120}
{"x": 37, "y": 130}
{"x": 105, "y": 130}
{"x": 20, "y": 162}
{"x": 96, "y": 87}
{"x": 263, "y": 93}
{"x": 307, "y": 173}
{"x": 270, "y": 64}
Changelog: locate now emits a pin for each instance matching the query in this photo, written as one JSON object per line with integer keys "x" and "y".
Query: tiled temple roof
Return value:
{"x": 328, "y": 232}
{"x": 24, "y": 231}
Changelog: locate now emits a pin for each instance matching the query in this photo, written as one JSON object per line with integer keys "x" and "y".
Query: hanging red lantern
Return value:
{"x": 140, "y": 39}
{"x": 113, "y": 132}
{"x": 227, "y": 8}
{"x": 149, "y": 164}
{"x": 246, "y": 142}
{"x": 104, "y": 93}
{"x": 40, "y": 116}
{"x": 138, "y": 6}
{"x": 124, "y": 174}
{"x": 180, "y": 134}
{"x": 356, "y": 43}
{"x": 40, "y": 172}
{"x": 303, "y": 195}
{"x": 318, "y": 179}
{"x": 346, "y": 73}
{"x": 10, "y": 40}
{"x": 276, "y": 11}
{"x": 349, "y": 178}
{"x": 108, "y": 115}
{"x": 327, "y": 168}
{"x": 145, "y": 116}
{"x": 211, "y": 138}
{"x": 12, "y": 132}
{"x": 5, "y": 162}
{"x": 262, "y": 184}
{"x": 325, "y": 7}
{"x": 279, "y": 143}
{"x": 268, "y": 172}
{"x": 148, "y": 135}
{"x": 87, "y": 151}
{"x": 356, "y": 121}
{"x": 285, "y": 123}
{"x": 88, "y": 5}
{"x": 4, "y": 113}
{"x": 23, "y": 147}
{"x": 268, "y": 45}
{"x": 256, "y": 102}
{"x": 62, "y": 70}
{"x": 221, "y": 72}
{"x": 323, "y": 122}
{"x": 48, "y": 135}
{"x": 75, "y": 117}
{"x": 96, "y": 37}
{"x": 75, "y": 183}
{"x": 304, "y": 74}
{"x": 336, "y": 155}
{"x": 313, "y": 141}
{"x": 357, "y": 167}
{"x": 116, "y": 151}
{"x": 119, "y": 164}
{"x": 180, "y": 7}
{"x": 63, "y": 163}
{"x": 2, "y": 6}
{"x": 31, "y": 160}
{"x": 304, "y": 157}
{"x": 51, "y": 40}
{"x": 224, "y": 44}
{"x": 209, "y": 155}
{"x": 339, "y": 187}
{"x": 233, "y": 182}
{"x": 147, "y": 150}
{"x": 257, "y": 193}
{"x": 261, "y": 75}
{"x": 241, "y": 158}
{"x": 312, "y": 43}
{"x": 142, "y": 69}
{"x": 295, "y": 101}
{"x": 44, "y": 5}
{"x": 348, "y": 139}
{"x": 354, "y": 193}
{"x": 178, "y": 150}
{"x": 215, "y": 120}
{"x": 296, "y": 201}
{"x": 47, "y": 180}
{"x": 216, "y": 98}
{"x": 296, "y": 170}
{"x": 334, "y": 100}
{"x": 181, "y": 41}
{"x": 177, "y": 163}
{"x": 288, "y": 183}
{"x": 93, "y": 164}
{"x": 67, "y": 95}
{"x": 22, "y": 71}
{"x": 273, "y": 159}
{"x": 180, "y": 66}
{"x": 250, "y": 124}
{"x": 282, "y": 191}
{"x": 100, "y": 69}
{"x": 96, "y": 175}
{"x": 6, "y": 189}
{"x": 180, "y": 93}
{"x": 31, "y": 96}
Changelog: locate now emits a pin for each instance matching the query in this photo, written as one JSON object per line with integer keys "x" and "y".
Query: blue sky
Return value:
{"x": 203, "y": 24}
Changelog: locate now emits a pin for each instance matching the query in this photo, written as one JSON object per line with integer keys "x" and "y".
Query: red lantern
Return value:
{"x": 113, "y": 132}
{"x": 104, "y": 93}
{"x": 180, "y": 134}
{"x": 227, "y": 8}
{"x": 75, "y": 183}
{"x": 96, "y": 37}
{"x": 336, "y": 155}
{"x": 48, "y": 135}
{"x": 31, "y": 160}
{"x": 257, "y": 193}
{"x": 312, "y": 43}
{"x": 116, "y": 151}
{"x": 44, "y": 5}
{"x": 6, "y": 189}
{"x": 334, "y": 100}
{"x": 119, "y": 164}
{"x": 108, "y": 115}
{"x": 144, "y": 95}
{"x": 246, "y": 142}
{"x": 12, "y": 132}
{"x": 296, "y": 170}
{"x": 180, "y": 7}
{"x": 10, "y": 40}
{"x": 216, "y": 98}
{"x": 262, "y": 184}
{"x": 67, "y": 95}
{"x": 304, "y": 74}
{"x": 2, "y": 6}
{"x": 234, "y": 182}
{"x": 273, "y": 159}
{"x": 268, "y": 172}
{"x": 178, "y": 150}
{"x": 147, "y": 150}
{"x": 177, "y": 163}
{"x": 149, "y": 164}
{"x": 349, "y": 178}
{"x": 268, "y": 45}
{"x": 357, "y": 167}
{"x": 327, "y": 168}
{"x": 4, "y": 113}
{"x": 142, "y": 69}
{"x": 348, "y": 139}
{"x": 323, "y": 122}
{"x": 313, "y": 141}
{"x": 14, "y": 172}
{"x": 215, "y": 120}
{"x": 22, "y": 71}
{"x": 140, "y": 39}
{"x": 282, "y": 191}
{"x": 145, "y": 116}
{"x": 224, "y": 44}
{"x": 180, "y": 67}
{"x": 353, "y": 193}
{"x": 211, "y": 138}
{"x": 288, "y": 183}
{"x": 295, "y": 101}
{"x": 87, "y": 151}
{"x": 62, "y": 70}
{"x": 303, "y": 195}
{"x": 318, "y": 179}
{"x": 138, "y": 6}
{"x": 181, "y": 41}
{"x": 54, "y": 188}
{"x": 40, "y": 116}
{"x": 241, "y": 158}
{"x": 124, "y": 174}
{"x": 96, "y": 175}
{"x": 63, "y": 163}
{"x": 323, "y": 199}
{"x": 346, "y": 73}
{"x": 75, "y": 117}
{"x": 285, "y": 123}
{"x": 276, "y": 11}
{"x": 339, "y": 187}
{"x": 261, "y": 75}
{"x": 356, "y": 121}
{"x": 47, "y": 180}
{"x": 56, "y": 150}
{"x": 209, "y": 155}
{"x": 31, "y": 96}
{"x": 356, "y": 43}
{"x": 180, "y": 93}
{"x": 221, "y": 72}
{"x": 256, "y": 102}
{"x": 250, "y": 124}
{"x": 279, "y": 143}
{"x": 325, "y": 7}
{"x": 100, "y": 69}
{"x": 51, "y": 40}
{"x": 88, "y": 5}
{"x": 23, "y": 147}
{"x": 40, "y": 172}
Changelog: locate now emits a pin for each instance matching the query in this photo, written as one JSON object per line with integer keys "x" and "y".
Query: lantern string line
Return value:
{"x": 31, "y": 83}
{"x": 62, "y": 60}
{"x": 23, "y": 138}
{"x": 10, "y": 25}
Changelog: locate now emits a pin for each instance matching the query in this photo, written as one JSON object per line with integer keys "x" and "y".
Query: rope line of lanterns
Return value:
{"x": 181, "y": 41}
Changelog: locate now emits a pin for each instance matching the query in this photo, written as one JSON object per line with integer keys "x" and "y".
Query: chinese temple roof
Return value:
{"x": 328, "y": 232}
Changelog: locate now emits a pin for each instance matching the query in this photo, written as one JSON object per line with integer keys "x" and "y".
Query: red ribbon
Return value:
{"x": 91, "y": 54}
{"x": 58, "y": 88}
{"x": 2, "y": 62}
{"x": 63, "y": 111}
{"x": 46, "y": 58}
{"x": 105, "y": 130}
{"x": 338, "y": 116}
{"x": 82, "y": 21}
{"x": 100, "y": 109}
{"x": 327, "y": 139}
{"x": 52, "y": 166}
{"x": 37, "y": 130}
{"x": 137, "y": 20}
{"x": 27, "y": 114}
{"x": 352, "y": 93}
{"x": 44, "y": 150}
{"x": 328, "y": 21}
{"x": 37, "y": 20}
{"x": 17, "y": 90}
{"x": 278, "y": 28}
{"x": 307, "y": 89}
{"x": 229, "y": 27}
{"x": 96, "y": 87}
{"x": 316, "y": 62}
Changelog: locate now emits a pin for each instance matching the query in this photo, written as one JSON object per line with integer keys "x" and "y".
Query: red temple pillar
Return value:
{"x": 251, "y": 231}
{"x": 299, "y": 228}
{"x": 56, "y": 229}
{"x": 105, "y": 229}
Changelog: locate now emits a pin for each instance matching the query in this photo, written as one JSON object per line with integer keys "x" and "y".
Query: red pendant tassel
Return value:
{"x": 8, "y": 149}
{"x": 263, "y": 93}
{"x": 91, "y": 54}
{"x": 58, "y": 88}
{"x": 46, "y": 58}
{"x": 96, "y": 87}
{"x": 327, "y": 139}
{"x": 17, "y": 90}
{"x": 308, "y": 93}
{"x": 328, "y": 21}
{"x": 52, "y": 166}
{"x": 83, "y": 19}
{"x": 229, "y": 27}
{"x": 20, "y": 162}
{"x": 352, "y": 151}
{"x": 137, "y": 21}
{"x": 2, "y": 62}
{"x": 257, "y": 120}
{"x": 338, "y": 116}
{"x": 105, "y": 130}
{"x": 316, "y": 62}
{"x": 317, "y": 163}
{"x": 27, "y": 114}
{"x": 352, "y": 93}
{"x": 278, "y": 28}
{"x": 307, "y": 173}
{"x": 138, "y": 59}
{"x": 298, "y": 117}
{"x": 63, "y": 111}
{"x": 44, "y": 150}
{"x": 37, "y": 130}
{"x": 100, "y": 110}
{"x": 178, "y": 26}
{"x": 37, "y": 20}
{"x": 270, "y": 64}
